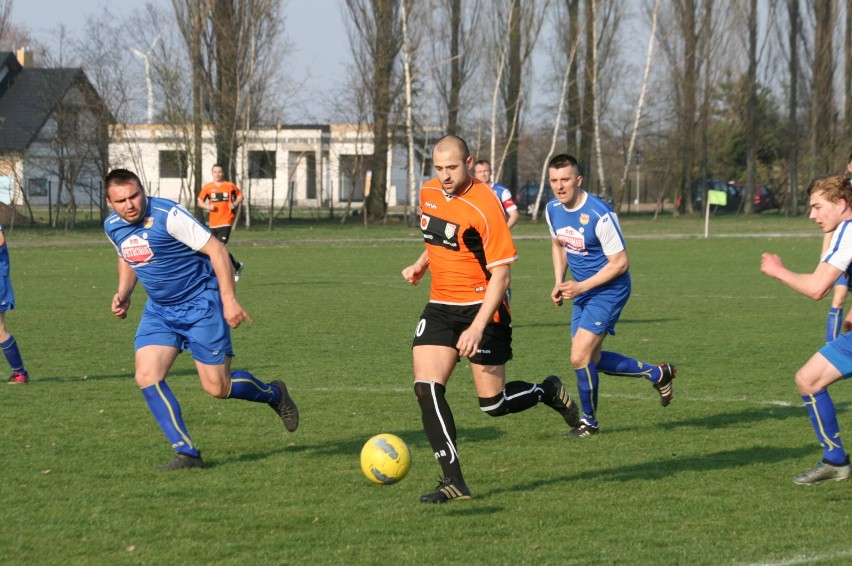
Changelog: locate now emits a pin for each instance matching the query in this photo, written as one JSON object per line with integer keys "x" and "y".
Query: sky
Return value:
{"x": 315, "y": 28}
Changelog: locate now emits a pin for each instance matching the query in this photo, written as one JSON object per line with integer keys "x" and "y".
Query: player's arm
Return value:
{"x": 514, "y": 215}
{"x": 414, "y": 272}
{"x": 126, "y": 283}
{"x": 203, "y": 202}
{"x": 469, "y": 340}
{"x": 560, "y": 265}
{"x": 814, "y": 285}
{"x": 238, "y": 198}
{"x": 617, "y": 264}
{"x": 218, "y": 254}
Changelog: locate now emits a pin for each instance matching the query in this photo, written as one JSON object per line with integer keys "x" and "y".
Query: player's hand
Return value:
{"x": 120, "y": 306}
{"x": 468, "y": 343}
{"x": 771, "y": 264}
{"x": 413, "y": 273}
{"x": 569, "y": 289}
{"x": 234, "y": 314}
{"x": 556, "y": 296}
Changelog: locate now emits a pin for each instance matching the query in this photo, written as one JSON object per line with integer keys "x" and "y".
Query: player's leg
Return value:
{"x": 585, "y": 349}
{"x": 209, "y": 340}
{"x": 660, "y": 375}
{"x": 824, "y": 368}
{"x": 223, "y": 234}
{"x": 152, "y": 364}
{"x": 12, "y": 353}
{"x": 834, "y": 321}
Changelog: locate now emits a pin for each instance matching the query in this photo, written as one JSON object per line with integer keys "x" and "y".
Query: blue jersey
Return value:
{"x": 588, "y": 233}
{"x": 162, "y": 250}
{"x": 7, "y": 294}
{"x": 4, "y": 259}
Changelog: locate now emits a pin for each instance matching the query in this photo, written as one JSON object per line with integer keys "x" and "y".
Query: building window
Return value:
{"x": 37, "y": 188}
{"x": 261, "y": 164}
{"x": 173, "y": 164}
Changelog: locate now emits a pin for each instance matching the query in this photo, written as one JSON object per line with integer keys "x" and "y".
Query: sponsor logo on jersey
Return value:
{"x": 572, "y": 239}
{"x": 584, "y": 219}
{"x": 136, "y": 250}
{"x": 450, "y": 230}
{"x": 149, "y": 221}
{"x": 431, "y": 205}
{"x": 424, "y": 222}
{"x": 440, "y": 232}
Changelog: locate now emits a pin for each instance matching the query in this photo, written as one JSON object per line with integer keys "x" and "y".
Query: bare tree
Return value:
{"x": 822, "y": 98}
{"x": 375, "y": 34}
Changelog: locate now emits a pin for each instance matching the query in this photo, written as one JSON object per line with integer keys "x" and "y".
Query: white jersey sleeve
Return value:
{"x": 609, "y": 233}
{"x": 839, "y": 253}
{"x": 186, "y": 229}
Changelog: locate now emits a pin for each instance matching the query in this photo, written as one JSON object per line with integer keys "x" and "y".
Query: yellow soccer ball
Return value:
{"x": 385, "y": 459}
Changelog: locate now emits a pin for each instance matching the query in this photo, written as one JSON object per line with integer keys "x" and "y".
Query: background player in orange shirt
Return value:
{"x": 221, "y": 198}
{"x": 468, "y": 252}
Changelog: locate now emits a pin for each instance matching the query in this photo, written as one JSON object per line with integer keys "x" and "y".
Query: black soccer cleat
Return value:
{"x": 562, "y": 402}
{"x": 448, "y": 489}
{"x": 182, "y": 461}
{"x": 664, "y": 385}
{"x": 285, "y": 407}
{"x": 582, "y": 430}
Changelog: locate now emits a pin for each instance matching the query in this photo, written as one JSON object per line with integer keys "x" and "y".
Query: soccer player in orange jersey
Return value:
{"x": 468, "y": 251}
{"x": 221, "y": 198}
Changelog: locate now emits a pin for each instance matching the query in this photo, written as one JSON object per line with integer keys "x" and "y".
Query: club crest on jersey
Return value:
{"x": 136, "y": 250}
{"x": 149, "y": 221}
{"x": 424, "y": 222}
{"x": 450, "y": 230}
{"x": 584, "y": 219}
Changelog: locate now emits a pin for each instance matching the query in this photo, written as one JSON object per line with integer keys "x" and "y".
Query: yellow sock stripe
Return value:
{"x": 183, "y": 433}
{"x": 830, "y": 444}
{"x": 588, "y": 373}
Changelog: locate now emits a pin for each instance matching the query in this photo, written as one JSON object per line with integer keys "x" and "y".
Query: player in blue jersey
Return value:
{"x": 192, "y": 305}
{"x": 482, "y": 171}
{"x": 830, "y": 201}
{"x": 7, "y": 303}
{"x": 587, "y": 238}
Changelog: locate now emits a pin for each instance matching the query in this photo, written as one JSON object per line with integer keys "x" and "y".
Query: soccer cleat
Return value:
{"x": 582, "y": 430}
{"x": 824, "y": 472}
{"x": 664, "y": 385}
{"x": 285, "y": 407}
{"x": 562, "y": 402}
{"x": 447, "y": 489}
{"x": 182, "y": 462}
{"x": 19, "y": 376}
{"x": 239, "y": 270}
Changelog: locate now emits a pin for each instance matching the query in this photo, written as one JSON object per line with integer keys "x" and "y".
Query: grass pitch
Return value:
{"x": 706, "y": 480}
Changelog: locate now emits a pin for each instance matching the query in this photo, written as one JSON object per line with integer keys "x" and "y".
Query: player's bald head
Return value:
{"x": 451, "y": 143}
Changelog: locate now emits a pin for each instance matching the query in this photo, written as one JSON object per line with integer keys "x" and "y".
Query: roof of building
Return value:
{"x": 28, "y": 96}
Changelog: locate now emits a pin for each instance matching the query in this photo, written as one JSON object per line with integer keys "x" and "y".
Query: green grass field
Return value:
{"x": 706, "y": 480}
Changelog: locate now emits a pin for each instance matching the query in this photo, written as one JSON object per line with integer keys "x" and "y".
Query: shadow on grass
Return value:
{"x": 188, "y": 372}
{"x": 660, "y": 469}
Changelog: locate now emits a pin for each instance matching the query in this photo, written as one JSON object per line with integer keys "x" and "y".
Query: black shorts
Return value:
{"x": 441, "y": 325}
{"x": 222, "y": 233}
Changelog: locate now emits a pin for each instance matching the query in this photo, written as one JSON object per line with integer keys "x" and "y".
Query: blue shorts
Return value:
{"x": 197, "y": 325}
{"x": 838, "y": 352}
{"x": 7, "y": 295}
{"x": 598, "y": 312}
{"x": 843, "y": 280}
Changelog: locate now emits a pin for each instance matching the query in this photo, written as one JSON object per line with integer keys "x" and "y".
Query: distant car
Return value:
{"x": 764, "y": 198}
{"x": 526, "y": 196}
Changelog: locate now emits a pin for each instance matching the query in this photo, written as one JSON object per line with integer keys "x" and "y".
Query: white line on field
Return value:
{"x": 805, "y": 559}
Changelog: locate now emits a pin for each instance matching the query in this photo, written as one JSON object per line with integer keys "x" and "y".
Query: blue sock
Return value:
{"x": 165, "y": 408}
{"x": 13, "y": 355}
{"x": 834, "y": 324}
{"x": 246, "y": 386}
{"x": 616, "y": 364}
{"x": 824, "y": 420}
{"x": 587, "y": 386}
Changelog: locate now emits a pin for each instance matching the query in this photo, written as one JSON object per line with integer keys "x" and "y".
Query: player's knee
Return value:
{"x": 495, "y": 406}
{"x": 428, "y": 392}
{"x": 805, "y": 383}
{"x": 218, "y": 390}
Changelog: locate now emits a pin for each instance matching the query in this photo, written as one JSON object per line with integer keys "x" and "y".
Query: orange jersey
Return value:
{"x": 219, "y": 196}
{"x": 466, "y": 235}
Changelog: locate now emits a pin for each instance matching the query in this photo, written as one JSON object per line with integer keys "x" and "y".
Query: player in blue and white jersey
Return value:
{"x": 587, "y": 238}
{"x": 7, "y": 303}
{"x": 830, "y": 201}
{"x": 192, "y": 305}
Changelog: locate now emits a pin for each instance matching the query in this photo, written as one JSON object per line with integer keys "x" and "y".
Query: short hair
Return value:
{"x": 483, "y": 162}
{"x": 119, "y": 178}
{"x": 564, "y": 160}
{"x": 219, "y": 165}
{"x": 459, "y": 143}
{"x": 833, "y": 187}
